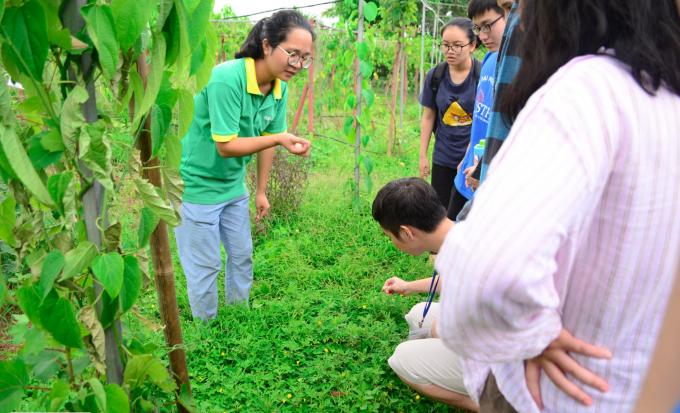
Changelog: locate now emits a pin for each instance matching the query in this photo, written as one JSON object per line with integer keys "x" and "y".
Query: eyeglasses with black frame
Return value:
{"x": 456, "y": 48}
{"x": 295, "y": 59}
{"x": 485, "y": 28}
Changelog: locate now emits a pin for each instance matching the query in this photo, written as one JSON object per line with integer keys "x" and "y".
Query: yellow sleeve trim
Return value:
{"x": 273, "y": 133}
{"x": 223, "y": 138}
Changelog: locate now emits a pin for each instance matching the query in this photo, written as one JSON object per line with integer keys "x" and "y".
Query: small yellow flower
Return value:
{"x": 417, "y": 397}
{"x": 297, "y": 362}
{"x": 290, "y": 396}
{"x": 325, "y": 350}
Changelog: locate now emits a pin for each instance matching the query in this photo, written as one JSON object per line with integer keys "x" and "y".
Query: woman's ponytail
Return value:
{"x": 252, "y": 46}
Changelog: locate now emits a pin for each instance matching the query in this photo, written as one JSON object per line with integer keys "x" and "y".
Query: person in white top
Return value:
{"x": 577, "y": 226}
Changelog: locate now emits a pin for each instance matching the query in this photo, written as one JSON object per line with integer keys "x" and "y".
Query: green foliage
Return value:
{"x": 102, "y": 31}
{"x": 108, "y": 269}
{"x": 25, "y": 49}
{"x": 67, "y": 272}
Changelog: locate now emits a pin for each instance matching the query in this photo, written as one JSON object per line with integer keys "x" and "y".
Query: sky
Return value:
{"x": 243, "y": 7}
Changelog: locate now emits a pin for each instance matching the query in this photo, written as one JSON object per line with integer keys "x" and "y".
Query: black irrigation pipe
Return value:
{"x": 280, "y": 8}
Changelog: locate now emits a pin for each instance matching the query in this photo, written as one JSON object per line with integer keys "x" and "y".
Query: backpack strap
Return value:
{"x": 437, "y": 77}
{"x": 477, "y": 68}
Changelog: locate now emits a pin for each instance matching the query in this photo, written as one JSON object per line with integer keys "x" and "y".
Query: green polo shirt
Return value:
{"x": 230, "y": 106}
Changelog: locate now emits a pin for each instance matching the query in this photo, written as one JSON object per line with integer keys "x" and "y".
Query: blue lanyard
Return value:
{"x": 431, "y": 292}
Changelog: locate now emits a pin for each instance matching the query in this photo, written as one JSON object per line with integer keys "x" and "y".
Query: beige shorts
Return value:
{"x": 427, "y": 360}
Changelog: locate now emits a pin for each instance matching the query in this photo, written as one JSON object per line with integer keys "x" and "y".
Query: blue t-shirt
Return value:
{"x": 453, "y": 105}
{"x": 480, "y": 119}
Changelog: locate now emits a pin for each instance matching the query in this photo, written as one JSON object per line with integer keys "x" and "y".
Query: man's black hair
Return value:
{"x": 478, "y": 7}
{"x": 408, "y": 201}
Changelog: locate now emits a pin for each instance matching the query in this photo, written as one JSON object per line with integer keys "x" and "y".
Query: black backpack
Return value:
{"x": 438, "y": 75}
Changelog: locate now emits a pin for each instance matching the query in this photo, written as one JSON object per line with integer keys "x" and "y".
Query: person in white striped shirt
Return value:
{"x": 577, "y": 226}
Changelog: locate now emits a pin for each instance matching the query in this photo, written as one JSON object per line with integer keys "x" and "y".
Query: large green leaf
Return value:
{"x": 39, "y": 156}
{"x": 13, "y": 378}
{"x": 26, "y": 44}
{"x": 147, "y": 224}
{"x": 132, "y": 283}
{"x": 369, "y": 97}
{"x": 29, "y": 298}
{"x": 366, "y": 69}
{"x": 348, "y": 129}
{"x": 173, "y": 151}
{"x": 21, "y": 164}
{"x": 72, "y": 119}
{"x": 160, "y": 121}
{"x": 204, "y": 72}
{"x": 173, "y": 36}
{"x": 186, "y": 112}
{"x": 101, "y": 29}
{"x": 362, "y": 50}
{"x": 108, "y": 269}
{"x": 51, "y": 268}
{"x": 197, "y": 56}
{"x": 59, "y": 319}
{"x": 370, "y": 11}
{"x": 147, "y": 367}
{"x": 368, "y": 164}
{"x": 152, "y": 200}
{"x": 95, "y": 152}
{"x": 130, "y": 17}
{"x": 179, "y": 20}
{"x": 52, "y": 141}
{"x": 8, "y": 216}
{"x": 153, "y": 81}
{"x": 57, "y": 186}
{"x": 198, "y": 21}
{"x": 78, "y": 259}
{"x": 116, "y": 399}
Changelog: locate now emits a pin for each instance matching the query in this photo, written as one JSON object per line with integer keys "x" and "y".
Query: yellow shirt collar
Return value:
{"x": 251, "y": 81}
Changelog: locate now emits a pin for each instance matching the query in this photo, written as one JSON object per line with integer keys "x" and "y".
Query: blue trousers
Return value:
{"x": 198, "y": 241}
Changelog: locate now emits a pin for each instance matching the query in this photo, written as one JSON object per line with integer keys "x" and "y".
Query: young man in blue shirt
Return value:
{"x": 489, "y": 25}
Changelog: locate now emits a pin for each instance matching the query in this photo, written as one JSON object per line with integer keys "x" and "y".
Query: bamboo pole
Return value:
{"x": 161, "y": 258}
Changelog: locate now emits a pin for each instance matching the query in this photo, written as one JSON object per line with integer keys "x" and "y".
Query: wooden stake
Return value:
{"x": 161, "y": 258}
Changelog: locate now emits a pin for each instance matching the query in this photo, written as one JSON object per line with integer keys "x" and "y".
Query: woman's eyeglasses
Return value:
{"x": 456, "y": 48}
{"x": 295, "y": 59}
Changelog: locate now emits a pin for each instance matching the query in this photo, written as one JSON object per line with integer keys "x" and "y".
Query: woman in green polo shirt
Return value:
{"x": 241, "y": 112}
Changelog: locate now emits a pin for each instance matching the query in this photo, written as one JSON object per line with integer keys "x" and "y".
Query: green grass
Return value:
{"x": 318, "y": 333}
